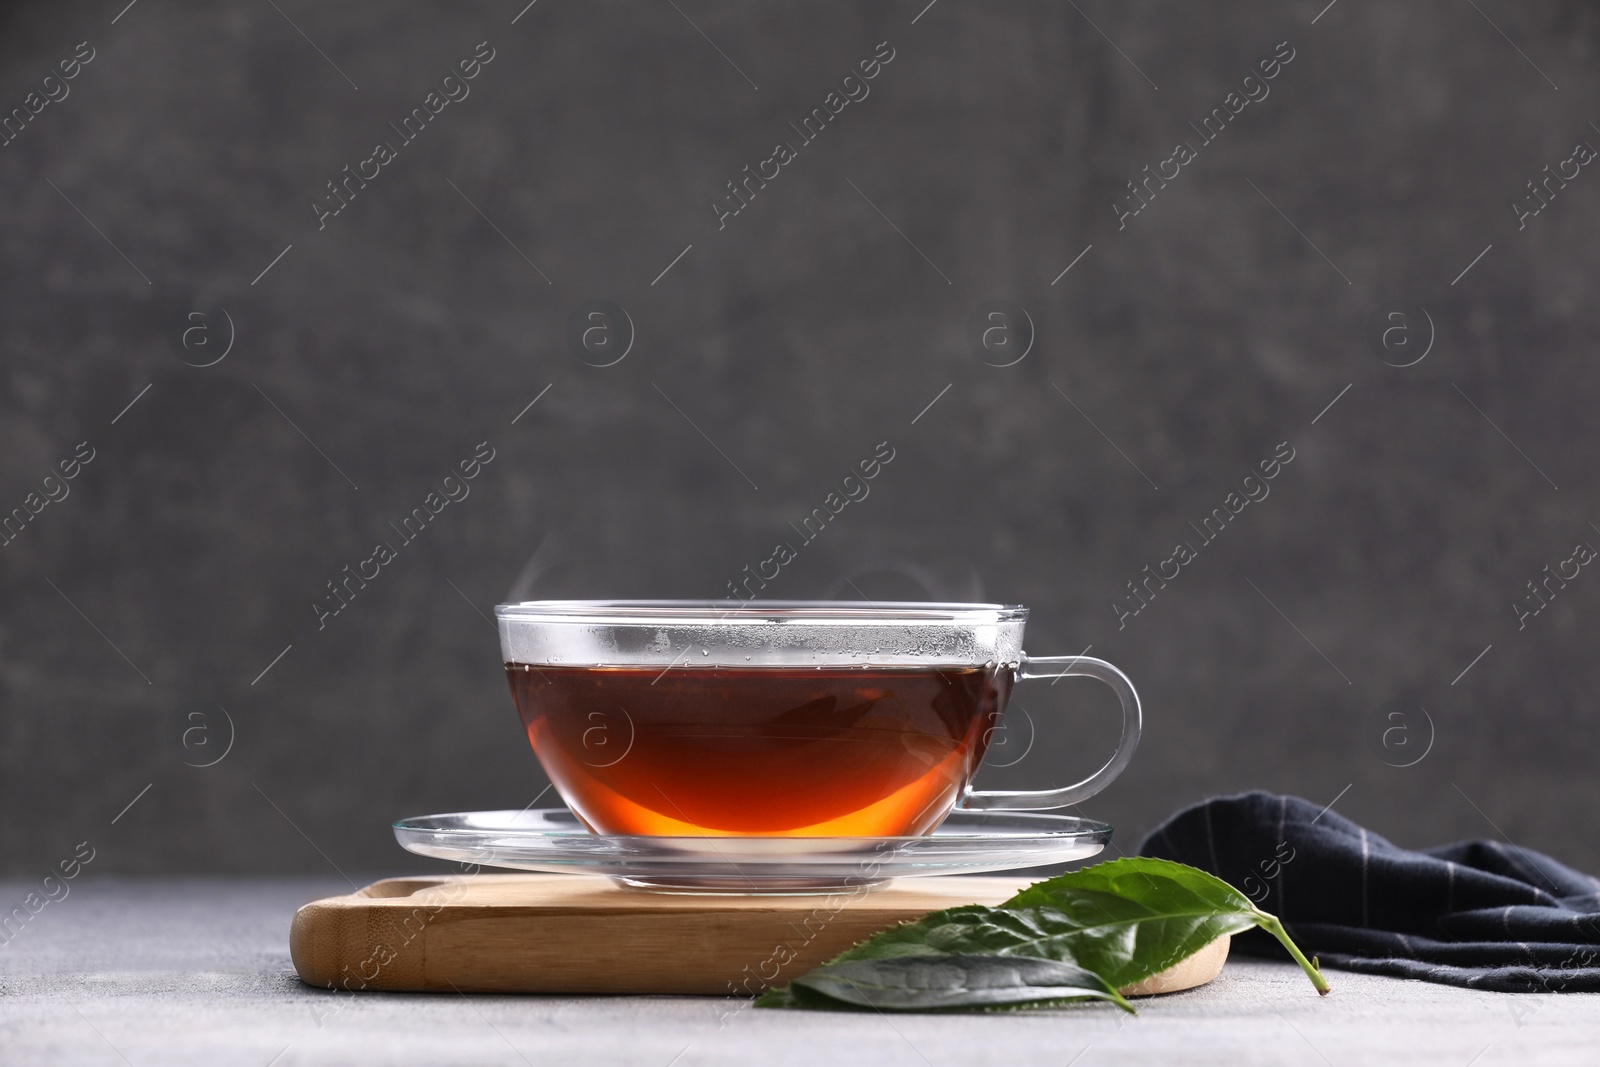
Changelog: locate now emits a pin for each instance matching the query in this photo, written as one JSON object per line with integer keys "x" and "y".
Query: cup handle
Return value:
{"x": 1042, "y": 799}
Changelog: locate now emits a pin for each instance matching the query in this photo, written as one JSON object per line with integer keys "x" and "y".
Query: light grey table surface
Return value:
{"x": 197, "y": 971}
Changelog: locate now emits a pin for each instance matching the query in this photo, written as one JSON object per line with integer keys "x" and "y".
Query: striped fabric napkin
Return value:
{"x": 1480, "y": 914}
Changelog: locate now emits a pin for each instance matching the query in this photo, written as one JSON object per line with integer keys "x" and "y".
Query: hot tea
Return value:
{"x": 779, "y": 751}
{"x": 779, "y": 719}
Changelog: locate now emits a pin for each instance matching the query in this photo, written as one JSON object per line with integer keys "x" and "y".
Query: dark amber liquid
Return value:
{"x": 865, "y": 752}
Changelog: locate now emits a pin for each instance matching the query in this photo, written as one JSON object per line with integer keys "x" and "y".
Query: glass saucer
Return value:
{"x": 553, "y": 840}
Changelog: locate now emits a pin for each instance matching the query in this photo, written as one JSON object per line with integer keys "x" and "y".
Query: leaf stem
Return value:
{"x": 1272, "y": 925}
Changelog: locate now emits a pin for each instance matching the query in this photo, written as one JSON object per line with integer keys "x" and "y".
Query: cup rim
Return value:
{"x": 748, "y": 612}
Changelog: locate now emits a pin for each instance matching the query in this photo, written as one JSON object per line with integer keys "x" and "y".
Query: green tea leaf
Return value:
{"x": 1135, "y": 917}
{"x": 936, "y": 983}
{"x": 1151, "y": 913}
{"x": 1123, "y": 921}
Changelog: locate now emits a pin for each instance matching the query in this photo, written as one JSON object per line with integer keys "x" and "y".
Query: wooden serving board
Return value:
{"x": 554, "y": 933}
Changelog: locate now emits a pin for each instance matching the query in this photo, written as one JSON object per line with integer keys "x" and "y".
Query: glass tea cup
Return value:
{"x": 779, "y": 718}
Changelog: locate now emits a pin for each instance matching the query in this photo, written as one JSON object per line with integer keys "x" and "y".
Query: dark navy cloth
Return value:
{"x": 1480, "y": 914}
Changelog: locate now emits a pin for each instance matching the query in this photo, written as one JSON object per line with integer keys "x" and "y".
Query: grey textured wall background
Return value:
{"x": 1223, "y": 319}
